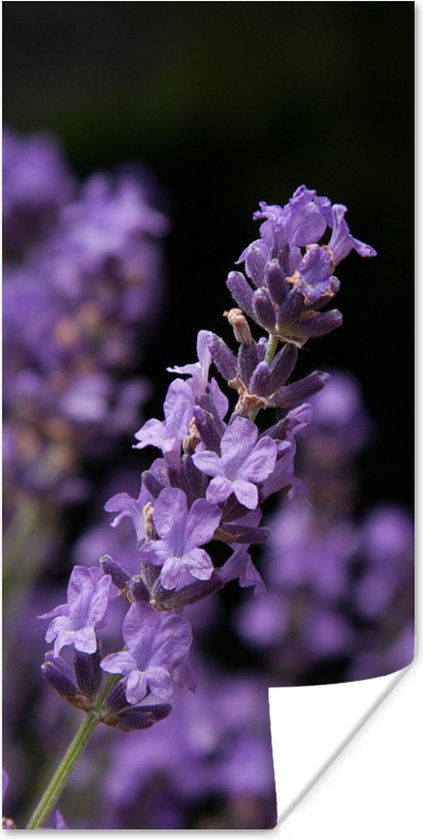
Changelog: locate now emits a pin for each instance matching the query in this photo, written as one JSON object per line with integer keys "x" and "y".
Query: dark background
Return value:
{"x": 229, "y": 104}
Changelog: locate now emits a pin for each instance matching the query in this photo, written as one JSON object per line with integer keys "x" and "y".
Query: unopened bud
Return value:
{"x": 239, "y": 325}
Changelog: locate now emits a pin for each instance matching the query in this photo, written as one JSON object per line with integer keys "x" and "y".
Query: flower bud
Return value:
{"x": 223, "y": 358}
{"x": 117, "y": 573}
{"x": 275, "y": 282}
{"x": 241, "y": 292}
{"x": 58, "y": 674}
{"x": 87, "y": 671}
{"x": 141, "y": 717}
{"x": 300, "y": 390}
{"x": 263, "y": 309}
{"x": 282, "y": 366}
{"x": 321, "y": 324}
{"x": 260, "y": 380}
{"x": 248, "y": 360}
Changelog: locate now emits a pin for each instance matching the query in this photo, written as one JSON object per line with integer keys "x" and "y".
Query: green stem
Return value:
{"x": 70, "y": 759}
{"x": 272, "y": 346}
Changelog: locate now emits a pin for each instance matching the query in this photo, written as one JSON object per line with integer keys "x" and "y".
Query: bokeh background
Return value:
{"x": 227, "y": 104}
{"x": 230, "y": 104}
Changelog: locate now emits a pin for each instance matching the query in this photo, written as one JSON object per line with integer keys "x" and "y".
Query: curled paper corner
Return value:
{"x": 312, "y": 725}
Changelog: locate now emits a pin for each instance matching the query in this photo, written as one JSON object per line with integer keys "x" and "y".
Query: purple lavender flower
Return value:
{"x": 88, "y": 290}
{"x": 181, "y": 532}
{"x": 168, "y": 435}
{"x": 74, "y": 623}
{"x": 245, "y": 461}
{"x": 292, "y": 284}
{"x": 124, "y": 505}
{"x": 36, "y": 183}
{"x": 156, "y": 644}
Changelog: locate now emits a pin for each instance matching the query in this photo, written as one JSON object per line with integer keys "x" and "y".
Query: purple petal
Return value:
{"x": 219, "y": 489}
{"x": 85, "y": 640}
{"x": 170, "y": 512}
{"x": 208, "y": 462}
{"x": 198, "y": 563}
{"x": 136, "y": 686}
{"x": 201, "y": 523}
{"x": 118, "y": 663}
{"x": 99, "y": 601}
{"x": 260, "y": 462}
{"x": 246, "y": 493}
{"x": 152, "y": 433}
{"x": 239, "y": 439}
{"x": 62, "y": 609}
{"x": 172, "y": 572}
{"x": 155, "y": 552}
{"x": 124, "y": 505}
{"x": 160, "y": 682}
{"x": 219, "y": 399}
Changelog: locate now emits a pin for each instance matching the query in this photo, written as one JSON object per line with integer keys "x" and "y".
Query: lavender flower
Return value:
{"x": 221, "y": 469}
{"x": 36, "y": 184}
{"x": 74, "y": 623}
{"x": 89, "y": 290}
{"x": 156, "y": 645}
{"x": 168, "y": 435}
{"x": 214, "y": 473}
{"x": 181, "y": 533}
{"x": 291, "y": 286}
{"x": 244, "y": 462}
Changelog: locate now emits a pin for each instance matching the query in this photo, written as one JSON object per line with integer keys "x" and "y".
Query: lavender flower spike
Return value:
{"x": 181, "y": 533}
{"x": 74, "y": 622}
{"x": 244, "y": 462}
{"x": 157, "y": 643}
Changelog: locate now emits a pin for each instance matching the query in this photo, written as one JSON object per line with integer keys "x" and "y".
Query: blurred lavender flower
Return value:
{"x": 36, "y": 184}
{"x": 89, "y": 291}
{"x": 341, "y": 592}
{"x": 216, "y": 743}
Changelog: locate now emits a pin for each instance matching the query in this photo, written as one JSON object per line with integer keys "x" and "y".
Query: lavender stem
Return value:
{"x": 70, "y": 759}
{"x": 272, "y": 346}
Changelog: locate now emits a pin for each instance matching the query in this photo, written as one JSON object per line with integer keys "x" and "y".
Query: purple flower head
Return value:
{"x": 168, "y": 435}
{"x": 89, "y": 290}
{"x": 298, "y": 223}
{"x": 36, "y": 183}
{"x": 291, "y": 271}
{"x": 157, "y": 643}
{"x": 244, "y": 463}
{"x": 181, "y": 532}
{"x": 109, "y": 220}
{"x": 74, "y": 623}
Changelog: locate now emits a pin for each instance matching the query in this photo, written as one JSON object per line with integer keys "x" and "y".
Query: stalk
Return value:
{"x": 70, "y": 759}
{"x": 272, "y": 346}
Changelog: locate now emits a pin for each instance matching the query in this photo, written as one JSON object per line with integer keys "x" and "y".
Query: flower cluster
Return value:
{"x": 216, "y": 467}
{"x": 80, "y": 290}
